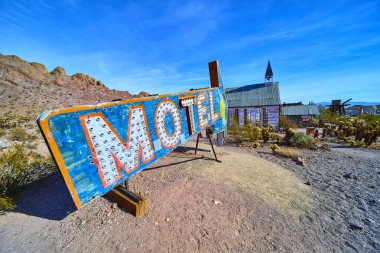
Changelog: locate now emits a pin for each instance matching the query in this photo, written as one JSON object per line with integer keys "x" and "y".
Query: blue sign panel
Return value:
{"x": 97, "y": 147}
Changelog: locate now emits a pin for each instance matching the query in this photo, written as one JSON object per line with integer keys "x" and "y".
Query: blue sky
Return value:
{"x": 320, "y": 50}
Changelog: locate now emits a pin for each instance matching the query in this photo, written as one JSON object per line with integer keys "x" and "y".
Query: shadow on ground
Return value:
{"x": 47, "y": 198}
{"x": 185, "y": 149}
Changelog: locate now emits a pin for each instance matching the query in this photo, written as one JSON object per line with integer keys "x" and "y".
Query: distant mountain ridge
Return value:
{"x": 351, "y": 103}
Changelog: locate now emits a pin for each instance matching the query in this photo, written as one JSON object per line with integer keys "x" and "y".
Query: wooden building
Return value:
{"x": 256, "y": 102}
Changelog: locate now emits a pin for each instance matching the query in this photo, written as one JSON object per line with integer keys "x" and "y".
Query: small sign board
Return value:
{"x": 96, "y": 147}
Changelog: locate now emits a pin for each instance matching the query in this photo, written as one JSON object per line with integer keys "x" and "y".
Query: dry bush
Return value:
{"x": 6, "y": 203}
{"x": 284, "y": 152}
{"x": 285, "y": 122}
{"x": 275, "y": 137}
{"x": 20, "y": 166}
{"x": 19, "y": 134}
{"x": 3, "y": 132}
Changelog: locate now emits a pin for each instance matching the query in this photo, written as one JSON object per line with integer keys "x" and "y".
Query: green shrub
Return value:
{"x": 302, "y": 140}
{"x": 19, "y": 166}
{"x": 3, "y": 132}
{"x": 6, "y": 203}
{"x": 274, "y": 147}
{"x": 18, "y": 134}
{"x": 365, "y": 131}
{"x": 251, "y": 131}
{"x": 266, "y": 131}
{"x": 238, "y": 139}
{"x": 275, "y": 137}
{"x": 256, "y": 144}
{"x": 288, "y": 135}
{"x": 285, "y": 122}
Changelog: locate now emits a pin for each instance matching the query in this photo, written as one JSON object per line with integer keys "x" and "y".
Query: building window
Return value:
{"x": 258, "y": 115}
{"x": 265, "y": 116}
{"x": 245, "y": 115}
{"x": 236, "y": 115}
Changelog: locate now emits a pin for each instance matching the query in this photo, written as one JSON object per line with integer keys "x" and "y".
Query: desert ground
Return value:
{"x": 251, "y": 202}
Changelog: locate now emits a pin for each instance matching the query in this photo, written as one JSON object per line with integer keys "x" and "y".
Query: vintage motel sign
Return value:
{"x": 96, "y": 147}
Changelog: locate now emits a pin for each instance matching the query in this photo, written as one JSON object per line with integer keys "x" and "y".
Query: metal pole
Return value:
{"x": 196, "y": 147}
{"x": 213, "y": 150}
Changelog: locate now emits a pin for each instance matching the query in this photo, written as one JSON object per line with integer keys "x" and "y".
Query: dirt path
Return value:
{"x": 251, "y": 202}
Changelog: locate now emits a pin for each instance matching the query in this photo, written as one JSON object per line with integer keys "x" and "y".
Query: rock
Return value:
{"x": 217, "y": 202}
{"x": 58, "y": 72}
{"x": 324, "y": 147}
{"x": 351, "y": 175}
{"x": 3, "y": 144}
{"x": 114, "y": 205}
{"x": 300, "y": 161}
{"x": 307, "y": 183}
{"x": 362, "y": 205}
{"x": 167, "y": 219}
{"x": 355, "y": 226}
{"x": 99, "y": 83}
{"x": 40, "y": 67}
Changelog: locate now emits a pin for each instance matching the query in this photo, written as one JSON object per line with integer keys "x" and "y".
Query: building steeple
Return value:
{"x": 269, "y": 73}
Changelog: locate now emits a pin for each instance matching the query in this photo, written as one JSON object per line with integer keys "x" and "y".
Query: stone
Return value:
{"x": 351, "y": 175}
{"x": 362, "y": 205}
{"x": 3, "y": 144}
{"x": 355, "y": 226}
{"x": 300, "y": 161}
{"x": 114, "y": 205}
{"x": 58, "y": 72}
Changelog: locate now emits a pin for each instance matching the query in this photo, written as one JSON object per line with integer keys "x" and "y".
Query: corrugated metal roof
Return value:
{"x": 254, "y": 95}
{"x": 299, "y": 110}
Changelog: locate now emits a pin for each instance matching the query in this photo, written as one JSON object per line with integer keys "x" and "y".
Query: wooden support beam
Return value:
{"x": 213, "y": 68}
{"x": 134, "y": 203}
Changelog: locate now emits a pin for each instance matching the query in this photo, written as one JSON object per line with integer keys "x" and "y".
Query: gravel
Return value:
{"x": 346, "y": 188}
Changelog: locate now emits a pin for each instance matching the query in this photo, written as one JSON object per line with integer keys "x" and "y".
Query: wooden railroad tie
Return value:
{"x": 134, "y": 203}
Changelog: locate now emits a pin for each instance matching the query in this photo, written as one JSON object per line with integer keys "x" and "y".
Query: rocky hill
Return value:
{"x": 29, "y": 88}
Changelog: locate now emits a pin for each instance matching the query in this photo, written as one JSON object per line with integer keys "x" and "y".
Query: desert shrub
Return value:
{"x": 284, "y": 152}
{"x": 266, "y": 131}
{"x": 234, "y": 128}
{"x": 326, "y": 115}
{"x": 251, "y": 131}
{"x": 274, "y": 147}
{"x": 364, "y": 131}
{"x": 256, "y": 144}
{"x": 18, "y": 134}
{"x": 286, "y": 122}
{"x": 302, "y": 140}
{"x": 288, "y": 135}
{"x": 314, "y": 122}
{"x": 6, "y": 203}
{"x": 20, "y": 166}
{"x": 238, "y": 139}
{"x": 371, "y": 119}
{"x": 275, "y": 137}
{"x": 3, "y": 132}
{"x": 7, "y": 124}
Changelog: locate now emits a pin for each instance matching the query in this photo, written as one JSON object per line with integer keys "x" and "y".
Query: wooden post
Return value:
{"x": 215, "y": 80}
{"x": 213, "y": 68}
